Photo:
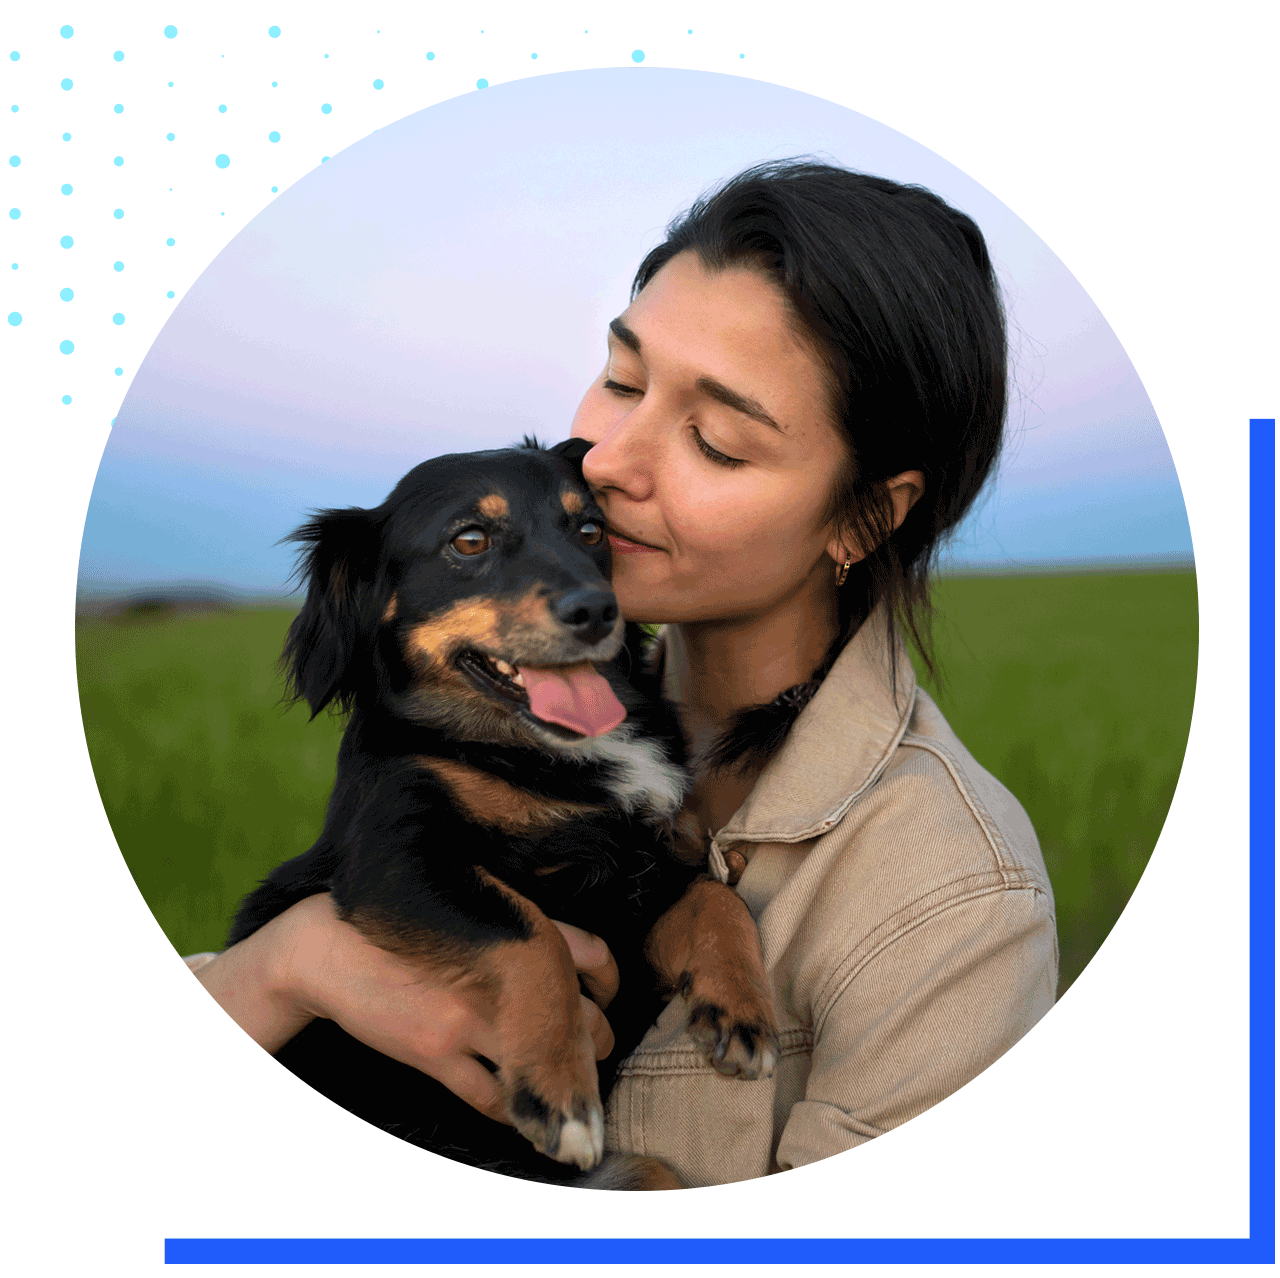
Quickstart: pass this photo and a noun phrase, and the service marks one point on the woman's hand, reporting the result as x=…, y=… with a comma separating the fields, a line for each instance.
x=308, y=963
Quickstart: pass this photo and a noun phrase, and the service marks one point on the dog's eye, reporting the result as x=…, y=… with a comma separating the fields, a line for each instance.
x=591, y=534
x=471, y=541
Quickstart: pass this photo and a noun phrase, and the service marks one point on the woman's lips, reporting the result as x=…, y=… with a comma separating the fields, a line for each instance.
x=622, y=546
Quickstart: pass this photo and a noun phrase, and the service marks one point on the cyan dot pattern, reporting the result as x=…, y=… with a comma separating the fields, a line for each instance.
x=97, y=78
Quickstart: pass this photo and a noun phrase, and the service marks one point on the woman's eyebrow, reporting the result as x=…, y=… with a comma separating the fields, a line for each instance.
x=708, y=386
x=624, y=335
x=739, y=403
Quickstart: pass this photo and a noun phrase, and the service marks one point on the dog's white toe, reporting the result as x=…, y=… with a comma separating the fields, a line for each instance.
x=581, y=1143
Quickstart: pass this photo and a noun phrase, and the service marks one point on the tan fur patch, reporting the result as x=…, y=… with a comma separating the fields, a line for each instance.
x=389, y=612
x=492, y=801
x=707, y=948
x=709, y=938
x=633, y=1171
x=538, y=997
x=571, y=500
x=470, y=622
x=688, y=843
x=494, y=506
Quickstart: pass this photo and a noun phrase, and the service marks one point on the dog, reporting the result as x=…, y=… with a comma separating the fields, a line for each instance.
x=507, y=760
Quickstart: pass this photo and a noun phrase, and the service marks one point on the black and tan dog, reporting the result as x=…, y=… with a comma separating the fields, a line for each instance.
x=499, y=770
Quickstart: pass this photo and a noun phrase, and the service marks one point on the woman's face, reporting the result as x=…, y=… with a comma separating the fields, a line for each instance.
x=714, y=450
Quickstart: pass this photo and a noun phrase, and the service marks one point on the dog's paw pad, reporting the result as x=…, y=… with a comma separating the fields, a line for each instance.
x=736, y=1048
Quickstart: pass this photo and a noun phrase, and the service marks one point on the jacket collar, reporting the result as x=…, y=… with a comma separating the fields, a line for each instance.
x=836, y=749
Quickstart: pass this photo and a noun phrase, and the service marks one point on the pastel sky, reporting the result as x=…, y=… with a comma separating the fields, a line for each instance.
x=445, y=283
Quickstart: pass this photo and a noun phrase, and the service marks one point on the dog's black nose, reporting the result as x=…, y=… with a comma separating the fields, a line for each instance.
x=590, y=613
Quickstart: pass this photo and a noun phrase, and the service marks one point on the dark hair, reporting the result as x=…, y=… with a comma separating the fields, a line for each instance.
x=895, y=292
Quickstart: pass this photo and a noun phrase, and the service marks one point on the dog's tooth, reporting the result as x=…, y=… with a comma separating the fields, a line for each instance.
x=517, y=678
x=505, y=667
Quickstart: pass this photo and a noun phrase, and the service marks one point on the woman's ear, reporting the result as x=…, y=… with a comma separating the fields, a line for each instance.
x=904, y=491
x=841, y=552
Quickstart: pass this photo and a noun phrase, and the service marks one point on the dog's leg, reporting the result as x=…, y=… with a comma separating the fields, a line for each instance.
x=467, y=925
x=400, y=887
x=548, y=1069
x=706, y=947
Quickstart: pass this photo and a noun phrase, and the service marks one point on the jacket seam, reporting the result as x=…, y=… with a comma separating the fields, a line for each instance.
x=678, y=1060
x=999, y=848
x=854, y=965
x=840, y=811
x=962, y=889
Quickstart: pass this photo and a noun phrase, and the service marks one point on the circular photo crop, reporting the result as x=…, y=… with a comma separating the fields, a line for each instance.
x=669, y=578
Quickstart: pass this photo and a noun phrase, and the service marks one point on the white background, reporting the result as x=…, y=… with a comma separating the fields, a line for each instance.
x=1136, y=142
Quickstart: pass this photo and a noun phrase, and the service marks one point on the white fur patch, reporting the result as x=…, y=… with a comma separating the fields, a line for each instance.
x=581, y=1143
x=643, y=777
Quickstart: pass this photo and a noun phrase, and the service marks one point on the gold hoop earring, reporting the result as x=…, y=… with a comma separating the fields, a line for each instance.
x=843, y=573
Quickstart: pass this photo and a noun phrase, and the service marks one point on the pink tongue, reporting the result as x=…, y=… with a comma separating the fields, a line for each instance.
x=575, y=697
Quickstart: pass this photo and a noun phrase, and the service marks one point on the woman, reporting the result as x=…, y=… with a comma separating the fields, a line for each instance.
x=805, y=394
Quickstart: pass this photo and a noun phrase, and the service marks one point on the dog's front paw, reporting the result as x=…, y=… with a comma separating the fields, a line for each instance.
x=570, y=1130
x=741, y=1044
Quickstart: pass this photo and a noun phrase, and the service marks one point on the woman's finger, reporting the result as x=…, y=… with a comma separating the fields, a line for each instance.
x=466, y=1078
x=596, y=968
x=598, y=1027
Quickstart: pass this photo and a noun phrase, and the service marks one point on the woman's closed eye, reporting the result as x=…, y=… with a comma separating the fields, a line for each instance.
x=620, y=389
x=714, y=454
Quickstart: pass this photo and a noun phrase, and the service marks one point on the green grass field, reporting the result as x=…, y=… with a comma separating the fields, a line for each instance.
x=1074, y=690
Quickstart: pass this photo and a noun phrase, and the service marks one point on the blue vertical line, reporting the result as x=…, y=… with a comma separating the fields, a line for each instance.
x=1262, y=831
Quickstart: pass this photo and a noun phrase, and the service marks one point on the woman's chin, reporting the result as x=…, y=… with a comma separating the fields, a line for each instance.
x=642, y=606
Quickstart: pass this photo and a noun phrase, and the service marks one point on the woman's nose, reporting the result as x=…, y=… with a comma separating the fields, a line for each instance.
x=622, y=459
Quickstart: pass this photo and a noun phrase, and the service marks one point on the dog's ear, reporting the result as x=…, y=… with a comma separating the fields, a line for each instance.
x=339, y=564
x=573, y=451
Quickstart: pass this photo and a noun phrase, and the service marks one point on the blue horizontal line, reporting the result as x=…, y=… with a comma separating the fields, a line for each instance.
x=720, y=1251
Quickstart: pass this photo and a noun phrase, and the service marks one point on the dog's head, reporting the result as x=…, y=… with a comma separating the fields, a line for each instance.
x=475, y=599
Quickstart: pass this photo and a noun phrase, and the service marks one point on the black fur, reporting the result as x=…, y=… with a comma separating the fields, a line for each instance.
x=397, y=848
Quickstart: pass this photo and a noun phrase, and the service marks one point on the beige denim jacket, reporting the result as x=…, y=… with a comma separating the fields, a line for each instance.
x=907, y=925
